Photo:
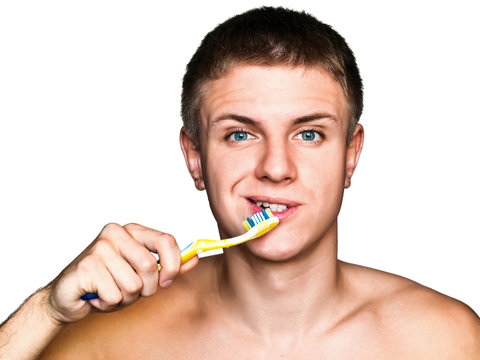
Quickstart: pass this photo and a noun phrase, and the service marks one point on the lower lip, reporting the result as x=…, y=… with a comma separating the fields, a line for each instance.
x=281, y=215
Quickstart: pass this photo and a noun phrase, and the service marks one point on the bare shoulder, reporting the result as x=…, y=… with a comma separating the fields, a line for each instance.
x=137, y=331
x=418, y=320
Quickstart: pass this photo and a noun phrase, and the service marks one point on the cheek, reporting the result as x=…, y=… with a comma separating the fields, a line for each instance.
x=324, y=178
x=326, y=170
x=224, y=169
x=223, y=172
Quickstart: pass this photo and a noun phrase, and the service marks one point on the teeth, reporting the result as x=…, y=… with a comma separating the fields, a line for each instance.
x=273, y=207
x=278, y=207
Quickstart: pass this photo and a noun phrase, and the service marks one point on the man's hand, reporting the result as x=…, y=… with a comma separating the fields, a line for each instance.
x=119, y=266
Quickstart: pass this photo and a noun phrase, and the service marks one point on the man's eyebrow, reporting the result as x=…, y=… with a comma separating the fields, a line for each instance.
x=239, y=118
x=312, y=117
x=250, y=121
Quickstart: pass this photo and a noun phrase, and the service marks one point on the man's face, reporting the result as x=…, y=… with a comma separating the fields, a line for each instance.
x=274, y=136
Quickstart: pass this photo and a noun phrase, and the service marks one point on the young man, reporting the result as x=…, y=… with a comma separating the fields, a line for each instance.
x=271, y=102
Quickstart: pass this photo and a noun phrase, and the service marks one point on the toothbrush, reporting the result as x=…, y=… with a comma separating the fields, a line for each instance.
x=259, y=224
x=256, y=226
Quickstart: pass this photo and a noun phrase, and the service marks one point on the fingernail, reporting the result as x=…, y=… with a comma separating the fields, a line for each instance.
x=166, y=283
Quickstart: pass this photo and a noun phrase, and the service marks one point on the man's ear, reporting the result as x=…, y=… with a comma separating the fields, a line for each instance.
x=191, y=154
x=353, y=154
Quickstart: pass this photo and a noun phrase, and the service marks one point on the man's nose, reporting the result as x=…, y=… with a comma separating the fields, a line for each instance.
x=276, y=162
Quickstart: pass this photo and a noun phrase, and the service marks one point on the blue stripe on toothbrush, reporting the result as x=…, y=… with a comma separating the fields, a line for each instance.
x=89, y=296
x=265, y=214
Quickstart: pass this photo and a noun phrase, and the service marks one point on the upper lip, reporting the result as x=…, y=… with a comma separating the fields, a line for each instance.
x=272, y=200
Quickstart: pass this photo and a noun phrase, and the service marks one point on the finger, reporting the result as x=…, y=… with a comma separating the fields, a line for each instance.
x=189, y=265
x=170, y=260
x=145, y=265
x=127, y=280
x=138, y=256
x=109, y=295
x=164, y=245
x=88, y=274
x=100, y=281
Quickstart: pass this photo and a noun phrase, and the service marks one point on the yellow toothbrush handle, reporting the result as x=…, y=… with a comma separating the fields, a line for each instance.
x=197, y=247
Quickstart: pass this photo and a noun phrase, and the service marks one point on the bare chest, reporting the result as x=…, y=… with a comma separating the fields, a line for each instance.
x=225, y=344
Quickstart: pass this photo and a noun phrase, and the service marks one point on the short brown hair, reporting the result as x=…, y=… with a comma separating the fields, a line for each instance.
x=269, y=36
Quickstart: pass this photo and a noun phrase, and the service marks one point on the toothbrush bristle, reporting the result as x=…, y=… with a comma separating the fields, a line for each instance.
x=269, y=213
x=265, y=215
x=259, y=220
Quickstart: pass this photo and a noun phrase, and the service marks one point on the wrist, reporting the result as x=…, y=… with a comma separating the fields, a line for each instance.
x=30, y=329
x=42, y=301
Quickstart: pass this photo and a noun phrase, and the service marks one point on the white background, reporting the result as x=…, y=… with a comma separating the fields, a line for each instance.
x=89, y=114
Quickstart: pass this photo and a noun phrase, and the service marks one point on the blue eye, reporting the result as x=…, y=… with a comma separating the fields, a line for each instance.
x=240, y=136
x=308, y=135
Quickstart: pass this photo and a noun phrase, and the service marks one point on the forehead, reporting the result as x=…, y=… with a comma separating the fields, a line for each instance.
x=273, y=92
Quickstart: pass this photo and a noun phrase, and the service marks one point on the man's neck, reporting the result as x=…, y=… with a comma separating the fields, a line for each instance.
x=283, y=297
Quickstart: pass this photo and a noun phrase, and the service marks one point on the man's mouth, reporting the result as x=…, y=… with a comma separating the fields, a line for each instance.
x=273, y=207
x=281, y=208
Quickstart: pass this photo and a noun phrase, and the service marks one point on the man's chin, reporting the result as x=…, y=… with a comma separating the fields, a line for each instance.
x=274, y=252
